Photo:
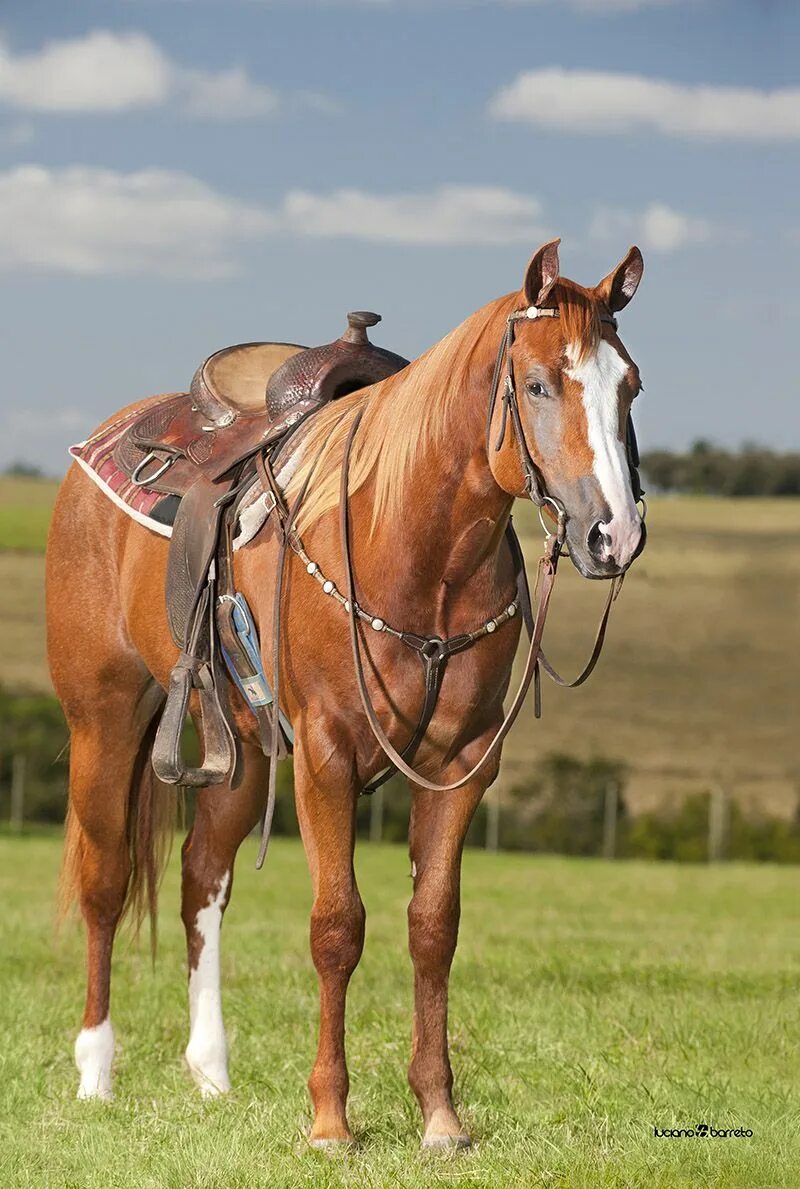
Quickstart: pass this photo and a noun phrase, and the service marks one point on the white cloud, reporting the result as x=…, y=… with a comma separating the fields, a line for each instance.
x=658, y=228
x=598, y=102
x=115, y=72
x=230, y=94
x=98, y=72
x=95, y=221
x=447, y=215
x=92, y=221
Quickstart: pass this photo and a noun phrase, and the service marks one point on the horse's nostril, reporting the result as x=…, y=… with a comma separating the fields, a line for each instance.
x=596, y=542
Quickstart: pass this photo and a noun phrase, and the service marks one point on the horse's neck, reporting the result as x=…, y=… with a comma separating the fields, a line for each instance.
x=444, y=544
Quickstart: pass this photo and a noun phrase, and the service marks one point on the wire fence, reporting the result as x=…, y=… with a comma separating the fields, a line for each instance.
x=563, y=804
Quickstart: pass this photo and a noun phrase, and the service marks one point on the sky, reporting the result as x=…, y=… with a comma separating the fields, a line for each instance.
x=178, y=175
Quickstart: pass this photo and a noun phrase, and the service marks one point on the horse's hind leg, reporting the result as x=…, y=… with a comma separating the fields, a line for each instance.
x=108, y=768
x=439, y=823
x=224, y=817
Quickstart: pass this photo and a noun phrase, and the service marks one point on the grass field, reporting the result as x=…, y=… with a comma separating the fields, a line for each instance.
x=591, y=1002
x=25, y=506
x=693, y=688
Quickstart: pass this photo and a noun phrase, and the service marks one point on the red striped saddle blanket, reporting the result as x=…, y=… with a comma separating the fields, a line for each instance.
x=98, y=458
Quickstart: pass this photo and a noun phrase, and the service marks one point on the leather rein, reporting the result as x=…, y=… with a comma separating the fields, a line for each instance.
x=433, y=651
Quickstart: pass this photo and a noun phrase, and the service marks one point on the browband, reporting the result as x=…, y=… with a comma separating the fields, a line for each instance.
x=547, y=312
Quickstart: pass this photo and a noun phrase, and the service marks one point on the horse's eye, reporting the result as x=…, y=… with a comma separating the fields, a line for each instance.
x=536, y=388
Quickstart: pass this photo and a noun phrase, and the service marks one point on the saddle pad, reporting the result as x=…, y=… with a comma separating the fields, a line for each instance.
x=156, y=511
x=152, y=509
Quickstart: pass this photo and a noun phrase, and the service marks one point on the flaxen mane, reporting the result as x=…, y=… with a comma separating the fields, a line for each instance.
x=416, y=410
x=404, y=417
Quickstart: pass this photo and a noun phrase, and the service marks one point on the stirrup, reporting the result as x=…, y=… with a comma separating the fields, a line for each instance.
x=218, y=744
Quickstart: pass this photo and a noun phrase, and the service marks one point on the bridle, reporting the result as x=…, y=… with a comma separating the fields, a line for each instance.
x=534, y=485
x=433, y=651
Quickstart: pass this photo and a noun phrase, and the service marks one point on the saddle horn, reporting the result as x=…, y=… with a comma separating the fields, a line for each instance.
x=319, y=374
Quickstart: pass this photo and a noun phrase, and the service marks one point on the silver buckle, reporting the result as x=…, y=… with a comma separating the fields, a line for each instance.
x=137, y=482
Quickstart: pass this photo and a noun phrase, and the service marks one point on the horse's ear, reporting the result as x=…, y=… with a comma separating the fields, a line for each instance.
x=541, y=273
x=619, y=286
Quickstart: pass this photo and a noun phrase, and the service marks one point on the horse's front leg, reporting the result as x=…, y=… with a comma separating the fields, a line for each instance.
x=326, y=793
x=439, y=823
x=224, y=817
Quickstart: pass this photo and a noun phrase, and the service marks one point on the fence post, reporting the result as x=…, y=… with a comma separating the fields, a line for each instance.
x=717, y=823
x=610, y=807
x=18, y=765
x=376, y=816
x=493, y=821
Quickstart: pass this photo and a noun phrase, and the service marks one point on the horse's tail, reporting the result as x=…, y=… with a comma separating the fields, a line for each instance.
x=151, y=818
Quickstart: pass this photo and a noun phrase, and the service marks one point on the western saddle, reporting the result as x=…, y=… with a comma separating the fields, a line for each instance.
x=203, y=451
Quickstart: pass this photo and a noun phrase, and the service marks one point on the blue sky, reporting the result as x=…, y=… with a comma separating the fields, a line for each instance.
x=176, y=175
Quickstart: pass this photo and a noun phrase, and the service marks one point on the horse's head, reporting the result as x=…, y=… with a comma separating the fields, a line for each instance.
x=574, y=383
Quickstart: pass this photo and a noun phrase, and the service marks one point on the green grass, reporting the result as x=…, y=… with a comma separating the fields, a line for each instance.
x=590, y=1003
x=25, y=506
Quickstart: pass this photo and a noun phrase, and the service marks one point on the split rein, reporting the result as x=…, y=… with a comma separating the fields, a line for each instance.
x=434, y=652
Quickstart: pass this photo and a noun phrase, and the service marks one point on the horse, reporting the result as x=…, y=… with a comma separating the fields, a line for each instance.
x=429, y=491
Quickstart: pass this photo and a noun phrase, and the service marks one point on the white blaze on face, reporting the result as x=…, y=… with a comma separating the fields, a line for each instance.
x=600, y=376
x=207, y=1051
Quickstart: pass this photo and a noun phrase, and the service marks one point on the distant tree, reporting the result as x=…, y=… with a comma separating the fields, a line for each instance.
x=708, y=470
x=24, y=470
x=748, y=474
x=785, y=475
x=661, y=469
x=561, y=807
x=32, y=725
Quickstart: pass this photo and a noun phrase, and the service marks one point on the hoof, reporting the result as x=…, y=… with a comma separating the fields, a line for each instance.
x=330, y=1145
x=446, y=1143
x=212, y=1084
x=94, y=1094
x=209, y=1090
x=444, y=1132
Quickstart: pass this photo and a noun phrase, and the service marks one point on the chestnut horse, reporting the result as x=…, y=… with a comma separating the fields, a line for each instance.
x=430, y=498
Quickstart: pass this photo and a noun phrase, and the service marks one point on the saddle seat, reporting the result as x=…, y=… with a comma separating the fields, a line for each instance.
x=241, y=400
x=232, y=382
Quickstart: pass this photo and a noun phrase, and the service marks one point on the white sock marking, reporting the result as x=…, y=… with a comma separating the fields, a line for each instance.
x=207, y=1051
x=94, y=1052
x=600, y=375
